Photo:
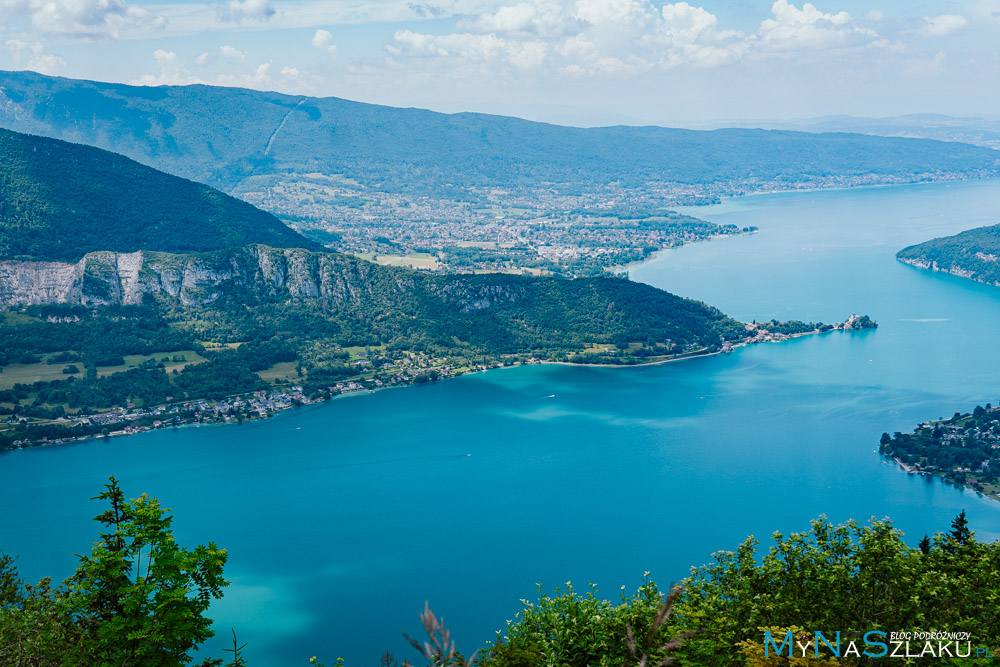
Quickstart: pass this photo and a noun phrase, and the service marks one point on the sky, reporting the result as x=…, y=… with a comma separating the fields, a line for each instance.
x=582, y=62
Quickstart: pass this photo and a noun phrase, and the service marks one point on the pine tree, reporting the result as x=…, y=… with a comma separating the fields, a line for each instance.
x=960, y=533
x=925, y=545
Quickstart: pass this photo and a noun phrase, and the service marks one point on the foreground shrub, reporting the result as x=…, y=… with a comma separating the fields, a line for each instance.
x=137, y=599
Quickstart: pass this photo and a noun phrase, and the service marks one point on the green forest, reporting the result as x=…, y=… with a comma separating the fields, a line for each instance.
x=974, y=253
x=140, y=598
x=59, y=201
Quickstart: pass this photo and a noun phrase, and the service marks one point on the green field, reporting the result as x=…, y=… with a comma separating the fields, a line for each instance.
x=283, y=370
x=414, y=260
x=358, y=352
x=28, y=373
x=42, y=372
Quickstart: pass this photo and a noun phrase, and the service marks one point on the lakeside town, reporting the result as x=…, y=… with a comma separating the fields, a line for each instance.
x=541, y=231
x=547, y=230
x=378, y=369
x=131, y=419
x=963, y=450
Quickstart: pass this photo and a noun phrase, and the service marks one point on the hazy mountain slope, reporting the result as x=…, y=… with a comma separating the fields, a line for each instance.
x=222, y=135
x=59, y=201
x=974, y=254
x=977, y=131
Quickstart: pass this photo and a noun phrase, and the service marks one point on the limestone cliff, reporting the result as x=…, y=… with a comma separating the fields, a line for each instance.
x=193, y=280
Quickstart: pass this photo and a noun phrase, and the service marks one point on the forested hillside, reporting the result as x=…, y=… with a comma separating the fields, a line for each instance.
x=59, y=201
x=971, y=254
x=222, y=136
x=303, y=300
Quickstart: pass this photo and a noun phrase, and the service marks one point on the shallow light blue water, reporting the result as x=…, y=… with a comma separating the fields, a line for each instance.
x=341, y=519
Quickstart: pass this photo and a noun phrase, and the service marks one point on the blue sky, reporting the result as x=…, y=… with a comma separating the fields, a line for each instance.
x=573, y=61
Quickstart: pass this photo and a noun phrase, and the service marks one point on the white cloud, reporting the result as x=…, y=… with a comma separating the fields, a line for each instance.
x=687, y=23
x=297, y=81
x=260, y=78
x=621, y=12
x=533, y=18
x=942, y=25
x=204, y=59
x=808, y=29
x=238, y=11
x=615, y=37
x=232, y=54
x=579, y=48
x=323, y=40
x=93, y=19
x=926, y=67
x=33, y=56
x=467, y=47
x=694, y=37
x=530, y=55
x=172, y=73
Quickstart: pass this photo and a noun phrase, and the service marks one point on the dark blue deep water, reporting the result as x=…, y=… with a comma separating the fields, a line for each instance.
x=342, y=518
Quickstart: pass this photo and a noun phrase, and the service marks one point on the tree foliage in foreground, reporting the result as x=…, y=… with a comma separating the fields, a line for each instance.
x=137, y=599
x=849, y=577
x=140, y=599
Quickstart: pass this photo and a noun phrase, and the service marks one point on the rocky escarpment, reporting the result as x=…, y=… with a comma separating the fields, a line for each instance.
x=251, y=275
x=973, y=254
x=932, y=265
x=347, y=298
x=258, y=273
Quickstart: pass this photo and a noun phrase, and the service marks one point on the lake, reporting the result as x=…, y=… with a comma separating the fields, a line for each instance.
x=341, y=519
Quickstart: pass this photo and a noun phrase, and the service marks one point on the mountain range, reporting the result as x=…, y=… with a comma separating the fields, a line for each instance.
x=223, y=136
x=969, y=130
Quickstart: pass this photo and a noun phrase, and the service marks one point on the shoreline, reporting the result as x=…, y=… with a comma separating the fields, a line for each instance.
x=869, y=186
x=696, y=209
x=697, y=355
x=623, y=268
x=934, y=267
x=299, y=400
x=941, y=478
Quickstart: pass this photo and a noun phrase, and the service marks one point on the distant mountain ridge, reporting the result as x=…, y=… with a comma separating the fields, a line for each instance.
x=59, y=201
x=973, y=254
x=222, y=136
x=969, y=130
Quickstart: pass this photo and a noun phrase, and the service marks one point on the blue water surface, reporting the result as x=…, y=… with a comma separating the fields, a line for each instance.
x=341, y=519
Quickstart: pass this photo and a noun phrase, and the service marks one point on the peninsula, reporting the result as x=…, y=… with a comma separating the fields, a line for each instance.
x=964, y=450
x=973, y=254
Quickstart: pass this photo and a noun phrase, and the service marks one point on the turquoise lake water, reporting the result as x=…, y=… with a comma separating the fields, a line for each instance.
x=341, y=519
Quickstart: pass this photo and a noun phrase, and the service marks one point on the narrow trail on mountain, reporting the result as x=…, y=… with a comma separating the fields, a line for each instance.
x=270, y=140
